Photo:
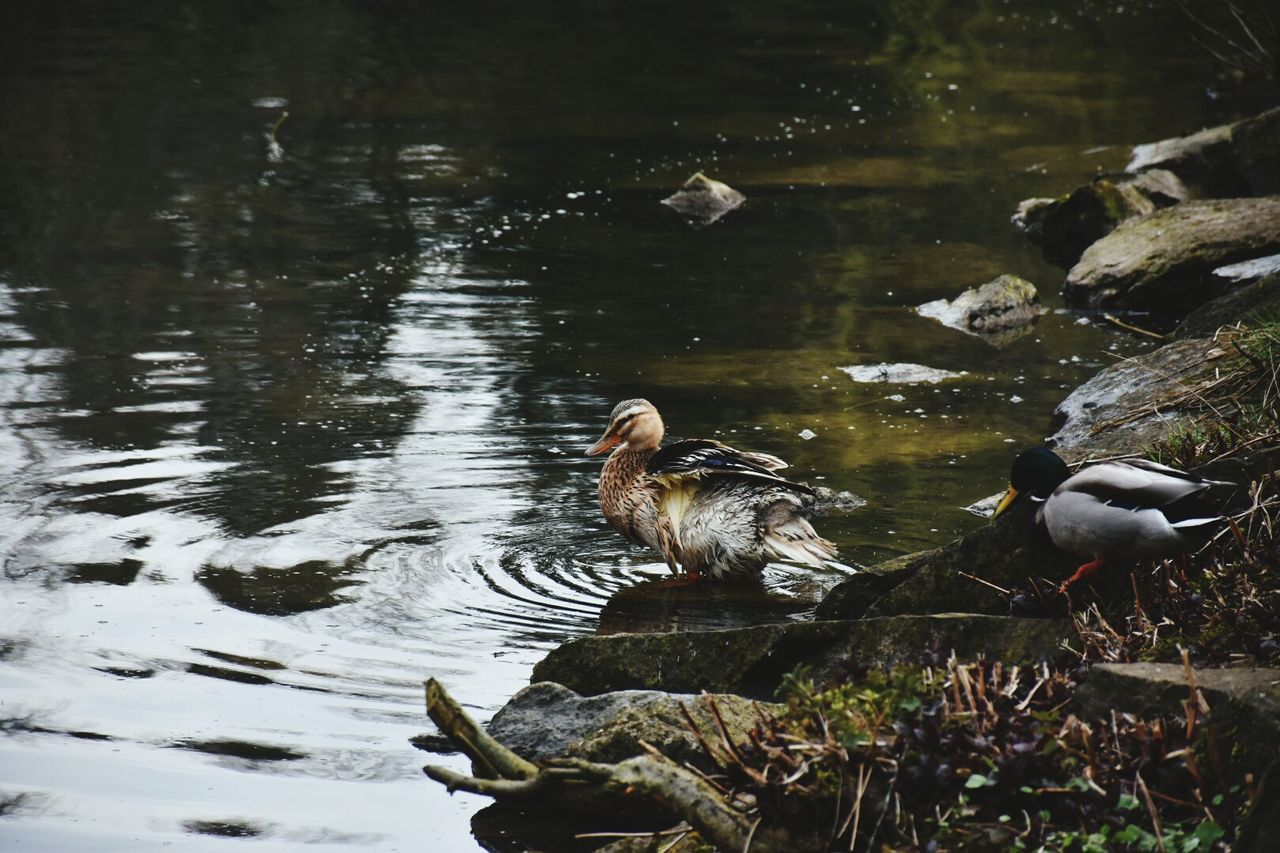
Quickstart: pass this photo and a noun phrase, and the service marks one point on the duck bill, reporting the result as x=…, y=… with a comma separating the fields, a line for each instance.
x=1004, y=502
x=607, y=442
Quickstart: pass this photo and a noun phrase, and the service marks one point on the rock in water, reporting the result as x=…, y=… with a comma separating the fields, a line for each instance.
x=1131, y=404
x=1233, y=159
x=703, y=200
x=1064, y=227
x=999, y=311
x=1163, y=262
x=900, y=373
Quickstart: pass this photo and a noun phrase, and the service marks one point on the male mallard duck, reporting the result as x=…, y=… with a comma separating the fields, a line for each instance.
x=703, y=505
x=1131, y=509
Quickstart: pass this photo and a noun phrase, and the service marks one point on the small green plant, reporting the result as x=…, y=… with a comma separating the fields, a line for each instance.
x=979, y=756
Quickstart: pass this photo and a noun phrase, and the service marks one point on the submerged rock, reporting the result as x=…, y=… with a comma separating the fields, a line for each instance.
x=828, y=501
x=1134, y=402
x=999, y=311
x=1163, y=262
x=703, y=200
x=900, y=373
x=547, y=720
x=752, y=661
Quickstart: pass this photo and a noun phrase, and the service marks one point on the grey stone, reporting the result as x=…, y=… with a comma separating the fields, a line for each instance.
x=547, y=720
x=1232, y=159
x=703, y=200
x=1129, y=405
x=999, y=311
x=752, y=661
x=1163, y=262
x=1250, y=270
x=1244, y=703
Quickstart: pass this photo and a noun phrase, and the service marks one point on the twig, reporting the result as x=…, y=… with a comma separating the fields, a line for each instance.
x=998, y=589
x=1111, y=318
x=1151, y=810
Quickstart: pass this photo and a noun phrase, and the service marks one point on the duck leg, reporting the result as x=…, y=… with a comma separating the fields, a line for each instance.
x=1087, y=569
x=690, y=577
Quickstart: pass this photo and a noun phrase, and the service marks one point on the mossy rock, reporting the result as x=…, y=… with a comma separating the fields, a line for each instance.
x=752, y=661
x=852, y=598
x=547, y=720
x=963, y=575
x=1163, y=262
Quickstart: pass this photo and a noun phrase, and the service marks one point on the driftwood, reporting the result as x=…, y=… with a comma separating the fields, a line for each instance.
x=572, y=784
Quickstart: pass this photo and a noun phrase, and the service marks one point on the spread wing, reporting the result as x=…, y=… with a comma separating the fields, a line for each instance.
x=698, y=458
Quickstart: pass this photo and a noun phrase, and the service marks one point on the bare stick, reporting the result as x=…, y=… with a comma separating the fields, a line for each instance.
x=495, y=759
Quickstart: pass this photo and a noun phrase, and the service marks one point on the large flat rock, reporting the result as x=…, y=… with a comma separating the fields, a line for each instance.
x=752, y=661
x=1163, y=262
x=1132, y=403
x=547, y=720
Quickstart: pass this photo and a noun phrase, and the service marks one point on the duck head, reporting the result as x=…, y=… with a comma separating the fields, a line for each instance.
x=1036, y=472
x=635, y=425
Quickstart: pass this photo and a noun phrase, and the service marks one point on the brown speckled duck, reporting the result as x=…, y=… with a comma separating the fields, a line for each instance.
x=707, y=508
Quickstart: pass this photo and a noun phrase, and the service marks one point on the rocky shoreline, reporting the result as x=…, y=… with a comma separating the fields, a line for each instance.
x=1192, y=229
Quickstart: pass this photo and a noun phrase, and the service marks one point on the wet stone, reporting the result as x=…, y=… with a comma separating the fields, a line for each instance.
x=999, y=311
x=1163, y=262
x=702, y=200
x=1132, y=403
x=900, y=373
x=547, y=720
x=753, y=661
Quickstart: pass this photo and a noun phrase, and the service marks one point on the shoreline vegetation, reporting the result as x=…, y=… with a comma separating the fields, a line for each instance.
x=953, y=700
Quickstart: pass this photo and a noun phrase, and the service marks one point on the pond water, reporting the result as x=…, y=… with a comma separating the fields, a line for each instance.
x=292, y=407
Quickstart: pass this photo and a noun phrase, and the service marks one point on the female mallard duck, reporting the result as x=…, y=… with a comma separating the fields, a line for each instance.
x=704, y=506
x=1131, y=509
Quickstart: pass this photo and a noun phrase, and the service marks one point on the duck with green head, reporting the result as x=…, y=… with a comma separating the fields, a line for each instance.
x=1113, y=511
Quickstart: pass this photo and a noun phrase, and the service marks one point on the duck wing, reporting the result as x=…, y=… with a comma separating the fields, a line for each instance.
x=1136, y=483
x=704, y=457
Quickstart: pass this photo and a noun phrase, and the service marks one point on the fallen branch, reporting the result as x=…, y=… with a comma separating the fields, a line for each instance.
x=494, y=759
x=571, y=783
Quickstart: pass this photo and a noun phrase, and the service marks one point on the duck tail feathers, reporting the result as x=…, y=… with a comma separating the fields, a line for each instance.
x=1187, y=523
x=798, y=542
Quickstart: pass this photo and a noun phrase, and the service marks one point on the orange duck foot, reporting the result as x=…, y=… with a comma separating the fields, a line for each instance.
x=1087, y=569
x=689, y=578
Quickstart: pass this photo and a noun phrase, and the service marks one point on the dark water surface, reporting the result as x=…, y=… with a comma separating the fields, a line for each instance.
x=289, y=423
